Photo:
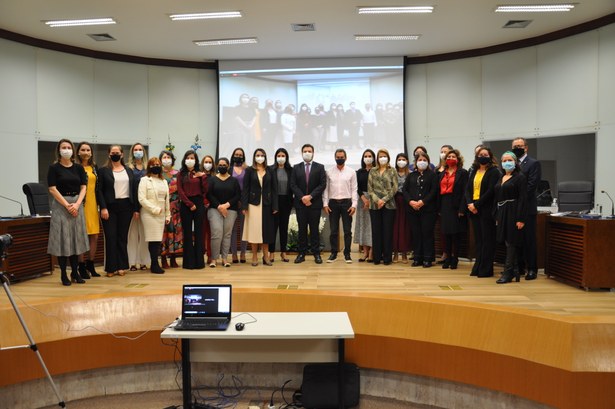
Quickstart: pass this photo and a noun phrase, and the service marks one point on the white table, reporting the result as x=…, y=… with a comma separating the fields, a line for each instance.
x=274, y=337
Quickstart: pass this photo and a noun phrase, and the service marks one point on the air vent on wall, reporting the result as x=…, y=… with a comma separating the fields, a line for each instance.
x=303, y=27
x=517, y=23
x=101, y=37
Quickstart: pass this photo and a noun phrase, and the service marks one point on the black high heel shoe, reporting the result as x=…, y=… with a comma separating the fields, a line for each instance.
x=507, y=277
x=76, y=278
x=89, y=265
x=64, y=278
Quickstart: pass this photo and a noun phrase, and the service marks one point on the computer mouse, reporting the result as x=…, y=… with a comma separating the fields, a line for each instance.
x=240, y=326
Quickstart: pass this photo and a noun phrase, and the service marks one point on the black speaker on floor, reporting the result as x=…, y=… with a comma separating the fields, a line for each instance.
x=319, y=389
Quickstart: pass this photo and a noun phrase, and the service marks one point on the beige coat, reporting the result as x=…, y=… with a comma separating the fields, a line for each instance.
x=155, y=211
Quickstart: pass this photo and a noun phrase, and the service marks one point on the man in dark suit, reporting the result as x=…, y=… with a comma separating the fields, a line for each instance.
x=308, y=182
x=532, y=170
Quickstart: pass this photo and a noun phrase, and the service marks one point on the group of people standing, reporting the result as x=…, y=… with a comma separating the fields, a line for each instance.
x=212, y=208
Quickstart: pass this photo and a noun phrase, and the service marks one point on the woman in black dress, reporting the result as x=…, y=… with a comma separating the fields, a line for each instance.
x=280, y=171
x=452, y=206
x=420, y=196
x=510, y=213
x=484, y=175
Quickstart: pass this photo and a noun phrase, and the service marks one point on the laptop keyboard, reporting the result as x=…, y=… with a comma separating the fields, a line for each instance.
x=205, y=324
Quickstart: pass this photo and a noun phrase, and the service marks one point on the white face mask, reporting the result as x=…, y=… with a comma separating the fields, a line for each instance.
x=66, y=153
x=138, y=154
x=422, y=165
x=307, y=156
x=401, y=164
x=281, y=160
x=443, y=155
x=259, y=159
x=383, y=160
x=167, y=162
x=189, y=163
x=207, y=166
x=368, y=161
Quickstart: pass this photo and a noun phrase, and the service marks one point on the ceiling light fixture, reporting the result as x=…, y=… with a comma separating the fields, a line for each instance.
x=82, y=22
x=395, y=10
x=534, y=8
x=202, y=16
x=386, y=37
x=227, y=41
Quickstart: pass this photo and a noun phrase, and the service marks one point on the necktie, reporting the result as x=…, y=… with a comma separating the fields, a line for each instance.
x=307, y=174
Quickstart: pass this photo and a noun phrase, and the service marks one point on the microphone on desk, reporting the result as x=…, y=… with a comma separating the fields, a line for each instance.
x=612, y=216
x=13, y=200
x=542, y=193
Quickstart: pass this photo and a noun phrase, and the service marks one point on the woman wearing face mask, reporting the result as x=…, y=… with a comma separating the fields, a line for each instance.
x=363, y=225
x=155, y=210
x=280, y=172
x=90, y=207
x=259, y=201
x=444, y=150
x=207, y=167
x=452, y=206
x=421, y=199
x=223, y=194
x=382, y=187
x=510, y=214
x=238, y=172
x=118, y=205
x=173, y=237
x=484, y=176
x=192, y=188
x=138, y=254
x=401, y=227
x=68, y=237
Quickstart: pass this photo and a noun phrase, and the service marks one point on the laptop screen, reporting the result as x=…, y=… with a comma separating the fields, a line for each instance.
x=206, y=301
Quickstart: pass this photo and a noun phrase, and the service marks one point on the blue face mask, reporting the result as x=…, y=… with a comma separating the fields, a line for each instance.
x=508, y=166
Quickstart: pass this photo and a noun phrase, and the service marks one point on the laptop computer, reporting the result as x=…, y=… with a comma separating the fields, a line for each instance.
x=205, y=307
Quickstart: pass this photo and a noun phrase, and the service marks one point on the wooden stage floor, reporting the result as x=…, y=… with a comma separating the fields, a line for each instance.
x=543, y=294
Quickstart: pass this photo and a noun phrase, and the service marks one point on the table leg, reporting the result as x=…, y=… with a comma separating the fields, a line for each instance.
x=340, y=373
x=186, y=374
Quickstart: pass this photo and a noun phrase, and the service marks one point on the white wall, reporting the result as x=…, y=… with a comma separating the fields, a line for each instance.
x=564, y=87
x=47, y=95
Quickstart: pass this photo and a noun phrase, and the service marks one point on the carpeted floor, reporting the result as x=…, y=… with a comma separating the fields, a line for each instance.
x=173, y=399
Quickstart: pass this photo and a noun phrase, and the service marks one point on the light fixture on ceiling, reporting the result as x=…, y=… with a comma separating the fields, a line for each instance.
x=534, y=8
x=227, y=41
x=386, y=37
x=395, y=10
x=202, y=16
x=81, y=22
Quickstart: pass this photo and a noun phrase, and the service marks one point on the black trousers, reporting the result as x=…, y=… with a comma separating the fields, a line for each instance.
x=453, y=243
x=193, y=240
x=484, y=240
x=339, y=209
x=280, y=222
x=382, y=234
x=423, y=232
x=528, y=253
x=307, y=216
x=116, y=235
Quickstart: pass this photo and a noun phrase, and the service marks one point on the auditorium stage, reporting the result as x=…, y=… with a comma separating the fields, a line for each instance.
x=541, y=340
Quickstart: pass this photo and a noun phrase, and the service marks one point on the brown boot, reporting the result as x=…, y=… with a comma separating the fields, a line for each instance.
x=165, y=264
x=174, y=262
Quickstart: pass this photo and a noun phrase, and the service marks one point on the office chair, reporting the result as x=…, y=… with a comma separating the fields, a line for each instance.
x=38, y=198
x=575, y=195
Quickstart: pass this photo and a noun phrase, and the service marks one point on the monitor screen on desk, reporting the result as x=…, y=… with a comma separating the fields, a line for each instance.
x=204, y=301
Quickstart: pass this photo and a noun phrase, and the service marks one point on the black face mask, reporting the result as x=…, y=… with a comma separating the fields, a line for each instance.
x=519, y=152
x=116, y=157
x=238, y=160
x=340, y=161
x=483, y=160
x=222, y=170
x=156, y=170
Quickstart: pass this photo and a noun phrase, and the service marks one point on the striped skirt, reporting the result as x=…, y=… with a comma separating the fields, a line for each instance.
x=67, y=234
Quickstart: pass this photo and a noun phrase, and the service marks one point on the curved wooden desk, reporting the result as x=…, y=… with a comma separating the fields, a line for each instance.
x=565, y=362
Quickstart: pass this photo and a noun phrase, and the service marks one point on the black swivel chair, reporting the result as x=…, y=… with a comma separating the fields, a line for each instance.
x=575, y=195
x=38, y=198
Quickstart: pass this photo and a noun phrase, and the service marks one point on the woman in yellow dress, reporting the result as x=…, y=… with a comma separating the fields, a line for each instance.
x=92, y=219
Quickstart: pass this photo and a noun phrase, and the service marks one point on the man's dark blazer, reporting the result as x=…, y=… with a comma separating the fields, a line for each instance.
x=532, y=170
x=252, y=190
x=107, y=187
x=315, y=188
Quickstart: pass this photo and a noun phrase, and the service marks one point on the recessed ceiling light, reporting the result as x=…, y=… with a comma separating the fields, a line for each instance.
x=534, y=8
x=201, y=16
x=227, y=41
x=386, y=37
x=82, y=22
x=395, y=10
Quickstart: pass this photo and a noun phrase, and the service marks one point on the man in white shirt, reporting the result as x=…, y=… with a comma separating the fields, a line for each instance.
x=340, y=200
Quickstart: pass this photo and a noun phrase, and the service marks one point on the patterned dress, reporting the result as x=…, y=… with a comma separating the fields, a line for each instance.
x=173, y=238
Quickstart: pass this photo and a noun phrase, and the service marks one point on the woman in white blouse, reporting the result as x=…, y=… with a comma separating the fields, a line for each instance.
x=155, y=209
